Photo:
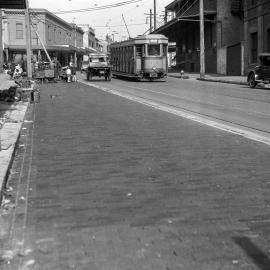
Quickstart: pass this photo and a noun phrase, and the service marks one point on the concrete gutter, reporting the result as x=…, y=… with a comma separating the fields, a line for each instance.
x=9, y=135
x=223, y=81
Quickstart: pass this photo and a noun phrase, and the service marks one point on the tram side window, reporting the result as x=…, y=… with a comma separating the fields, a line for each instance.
x=164, y=50
x=153, y=49
x=139, y=51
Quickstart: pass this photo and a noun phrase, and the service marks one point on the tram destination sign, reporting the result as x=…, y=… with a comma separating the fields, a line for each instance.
x=13, y=4
x=153, y=41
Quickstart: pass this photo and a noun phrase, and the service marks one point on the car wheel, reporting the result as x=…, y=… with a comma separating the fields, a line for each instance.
x=251, y=81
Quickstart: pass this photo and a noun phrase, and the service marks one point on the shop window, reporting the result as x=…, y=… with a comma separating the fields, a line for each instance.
x=236, y=6
x=254, y=46
x=19, y=31
x=54, y=35
x=34, y=35
x=268, y=40
x=253, y=2
x=49, y=33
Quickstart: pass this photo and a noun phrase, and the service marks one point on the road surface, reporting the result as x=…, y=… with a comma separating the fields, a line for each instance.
x=101, y=182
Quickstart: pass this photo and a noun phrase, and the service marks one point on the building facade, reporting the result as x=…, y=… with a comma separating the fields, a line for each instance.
x=257, y=29
x=223, y=35
x=89, y=37
x=61, y=39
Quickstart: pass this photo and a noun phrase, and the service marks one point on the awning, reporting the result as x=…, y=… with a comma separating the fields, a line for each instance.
x=13, y=4
x=191, y=13
x=57, y=48
x=191, y=18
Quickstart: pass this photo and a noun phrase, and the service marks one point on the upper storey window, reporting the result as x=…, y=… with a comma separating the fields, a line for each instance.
x=19, y=31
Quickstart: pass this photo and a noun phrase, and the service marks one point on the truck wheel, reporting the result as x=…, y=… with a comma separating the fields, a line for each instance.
x=108, y=76
x=89, y=76
x=251, y=81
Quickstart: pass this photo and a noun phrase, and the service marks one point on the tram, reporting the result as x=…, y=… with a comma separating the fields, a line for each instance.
x=143, y=58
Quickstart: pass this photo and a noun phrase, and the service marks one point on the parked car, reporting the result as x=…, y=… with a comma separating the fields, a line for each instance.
x=260, y=72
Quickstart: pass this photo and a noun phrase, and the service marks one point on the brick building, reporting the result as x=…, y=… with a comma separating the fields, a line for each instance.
x=223, y=35
x=257, y=29
x=61, y=39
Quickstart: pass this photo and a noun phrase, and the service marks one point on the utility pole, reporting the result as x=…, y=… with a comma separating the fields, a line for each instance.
x=42, y=44
x=1, y=40
x=202, y=47
x=151, y=27
x=28, y=40
x=155, y=14
x=75, y=54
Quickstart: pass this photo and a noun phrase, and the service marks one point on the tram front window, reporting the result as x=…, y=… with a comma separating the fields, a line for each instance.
x=97, y=60
x=153, y=50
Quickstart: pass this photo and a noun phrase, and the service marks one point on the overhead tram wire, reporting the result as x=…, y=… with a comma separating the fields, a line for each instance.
x=97, y=8
x=39, y=19
x=35, y=15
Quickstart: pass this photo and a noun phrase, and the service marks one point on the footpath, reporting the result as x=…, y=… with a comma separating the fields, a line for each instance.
x=12, y=117
x=11, y=120
x=242, y=80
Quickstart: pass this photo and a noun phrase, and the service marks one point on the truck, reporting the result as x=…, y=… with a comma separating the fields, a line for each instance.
x=96, y=65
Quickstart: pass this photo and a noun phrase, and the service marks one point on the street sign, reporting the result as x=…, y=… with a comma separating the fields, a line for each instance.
x=13, y=4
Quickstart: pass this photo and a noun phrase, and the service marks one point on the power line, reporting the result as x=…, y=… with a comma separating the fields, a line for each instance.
x=97, y=8
x=117, y=25
x=39, y=19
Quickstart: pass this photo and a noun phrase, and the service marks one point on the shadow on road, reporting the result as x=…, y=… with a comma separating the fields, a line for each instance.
x=258, y=257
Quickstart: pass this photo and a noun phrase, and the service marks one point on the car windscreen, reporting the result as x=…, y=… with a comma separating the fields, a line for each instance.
x=265, y=60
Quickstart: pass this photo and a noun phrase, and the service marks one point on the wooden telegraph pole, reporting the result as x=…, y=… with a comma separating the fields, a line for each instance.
x=155, y=15
x=151, y=27
x=1, y=40
x=202, y=47
x=28, y=40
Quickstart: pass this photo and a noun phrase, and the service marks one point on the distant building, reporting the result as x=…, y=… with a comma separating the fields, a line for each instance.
x=99, y=45
x=104, y=45
x=89, y=38
x=61, y=39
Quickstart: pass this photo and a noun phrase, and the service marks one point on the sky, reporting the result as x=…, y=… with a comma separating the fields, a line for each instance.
x=110, y=20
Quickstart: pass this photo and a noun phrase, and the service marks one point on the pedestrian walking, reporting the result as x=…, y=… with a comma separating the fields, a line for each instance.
x=68, y=73
x=73, y=73
x=57, y=68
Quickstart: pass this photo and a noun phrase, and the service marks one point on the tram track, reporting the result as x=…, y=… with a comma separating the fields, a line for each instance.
x=251, y=112
x=244, y=130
